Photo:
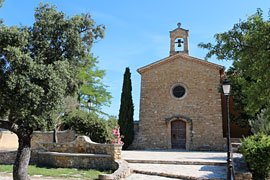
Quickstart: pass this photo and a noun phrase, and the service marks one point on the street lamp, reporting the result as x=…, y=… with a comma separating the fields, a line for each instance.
x=89, y=104
x=226, y=86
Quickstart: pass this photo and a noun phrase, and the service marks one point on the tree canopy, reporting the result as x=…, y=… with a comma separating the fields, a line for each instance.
x=248, y=45
x=89, y=124
x=39, y=64
x=1, y=3
x=38, y=69
x=93, y=88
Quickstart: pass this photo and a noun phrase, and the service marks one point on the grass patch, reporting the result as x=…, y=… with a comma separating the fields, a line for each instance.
x=58, y=172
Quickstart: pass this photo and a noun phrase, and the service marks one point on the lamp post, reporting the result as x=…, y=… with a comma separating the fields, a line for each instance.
x=89, y=104
x=226, y=86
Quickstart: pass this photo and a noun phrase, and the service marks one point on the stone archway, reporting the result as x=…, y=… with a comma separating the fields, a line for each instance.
x=179, y=129
x=178, y=134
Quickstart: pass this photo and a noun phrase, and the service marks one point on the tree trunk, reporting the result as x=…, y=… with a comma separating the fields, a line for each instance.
x=23, y=157
x=55, y=139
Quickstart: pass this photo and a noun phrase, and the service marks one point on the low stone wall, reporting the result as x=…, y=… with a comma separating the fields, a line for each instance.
x=76, y=160
x=82, y=144
x=123, y=171
x=81, y=153
x=8, y=156
x=9, y=140
x=47, y=136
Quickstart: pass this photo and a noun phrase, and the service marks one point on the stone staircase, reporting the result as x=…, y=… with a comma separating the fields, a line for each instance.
x=183, y=165
x=236, y=145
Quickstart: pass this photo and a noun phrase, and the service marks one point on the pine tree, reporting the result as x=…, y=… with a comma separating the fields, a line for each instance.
x=126, y=111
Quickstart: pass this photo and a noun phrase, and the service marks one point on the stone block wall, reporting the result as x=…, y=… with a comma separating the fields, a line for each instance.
x=9, y=140
x=200, y=108
x=81, y=153
x=76, y=160
x=47, y=136
x=8, y=156
x=82, y=144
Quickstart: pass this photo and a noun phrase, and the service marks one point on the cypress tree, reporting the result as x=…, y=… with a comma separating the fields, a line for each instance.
x=125, y=120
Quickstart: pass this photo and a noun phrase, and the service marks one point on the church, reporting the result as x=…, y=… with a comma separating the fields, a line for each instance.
x=180, y=101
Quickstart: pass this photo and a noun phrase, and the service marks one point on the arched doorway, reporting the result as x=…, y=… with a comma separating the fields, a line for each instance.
x=178, y=134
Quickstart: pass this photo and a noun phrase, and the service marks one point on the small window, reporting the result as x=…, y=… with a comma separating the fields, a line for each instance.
x=178, y=91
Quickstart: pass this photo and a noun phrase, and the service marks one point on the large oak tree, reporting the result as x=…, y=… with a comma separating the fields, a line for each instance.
x=38, y=69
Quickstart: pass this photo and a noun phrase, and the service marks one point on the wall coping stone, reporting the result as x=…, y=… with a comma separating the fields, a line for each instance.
x=75, y=154
x=85, y=139
x=47, y=132
x=122, y=171
x=80, y=139
x=8, y=151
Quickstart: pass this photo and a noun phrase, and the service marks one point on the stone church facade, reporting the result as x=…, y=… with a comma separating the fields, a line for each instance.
x=180, y=102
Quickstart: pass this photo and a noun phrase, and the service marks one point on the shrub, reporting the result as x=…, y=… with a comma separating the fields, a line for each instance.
x=91, y=125
x=113, y=122
x=262, y=123
x=117, y=136
x=256, y=151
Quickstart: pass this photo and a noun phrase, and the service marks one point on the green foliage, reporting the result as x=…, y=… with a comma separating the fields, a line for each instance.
x=38, y=64
x=113, y=122
x=256, y=151
x=126, y=111
x=262, y=123
x=38, y=69
x=1, y=3
x=247, y=44
x=91, y=125
x=69, y=105
x=92, y=87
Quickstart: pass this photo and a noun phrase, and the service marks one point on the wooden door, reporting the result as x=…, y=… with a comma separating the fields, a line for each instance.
x=178, y=134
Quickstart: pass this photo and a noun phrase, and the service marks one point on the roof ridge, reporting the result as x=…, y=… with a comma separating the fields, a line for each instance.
x=168, y=59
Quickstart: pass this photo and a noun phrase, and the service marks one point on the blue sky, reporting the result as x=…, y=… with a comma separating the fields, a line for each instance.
x=137, y=32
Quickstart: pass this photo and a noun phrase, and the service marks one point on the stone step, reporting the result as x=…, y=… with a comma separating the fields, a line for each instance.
x=236, y=147
x=236, y=140
x=192, y=172
x=187, y=170
x=185, y=164
x=178, y=162
x=137, y=176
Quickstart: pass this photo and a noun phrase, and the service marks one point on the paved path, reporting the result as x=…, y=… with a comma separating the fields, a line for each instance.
x=148, y=177
x=191, y=156
x=168, y=165
x=176, y=164
x=181, y=171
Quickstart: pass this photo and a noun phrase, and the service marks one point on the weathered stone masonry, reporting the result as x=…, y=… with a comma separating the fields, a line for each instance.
x=80, y=153
x=199, y=108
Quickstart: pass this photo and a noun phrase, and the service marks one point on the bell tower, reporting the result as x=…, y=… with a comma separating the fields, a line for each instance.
x=179, y=39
